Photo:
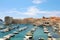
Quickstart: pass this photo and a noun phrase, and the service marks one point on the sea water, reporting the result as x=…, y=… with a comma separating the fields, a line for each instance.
x=39, y=33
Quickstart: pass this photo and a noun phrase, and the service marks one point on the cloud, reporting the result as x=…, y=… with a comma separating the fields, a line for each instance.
x=38, y=1
x=32, y=11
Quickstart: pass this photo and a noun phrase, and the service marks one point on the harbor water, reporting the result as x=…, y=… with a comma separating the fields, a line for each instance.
x=39, y=33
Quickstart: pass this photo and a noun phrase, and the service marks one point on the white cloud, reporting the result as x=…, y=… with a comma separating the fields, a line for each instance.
x=32, y=12
x=38, y=1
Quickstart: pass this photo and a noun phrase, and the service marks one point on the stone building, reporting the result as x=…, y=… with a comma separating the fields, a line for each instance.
x=16, y=21
x=46, y=21
x=37, y=21
x=29, y=20
x=8, y=20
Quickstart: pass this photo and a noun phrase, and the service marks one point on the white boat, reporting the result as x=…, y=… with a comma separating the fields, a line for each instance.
x=59, y=31
x=7, y=36
x=1, y=27
x=49, y=38
x=3, y=39
x=12, y=35
x=46, y=30
x=41, y=38
x=15, y=32
x=49, y=35
x=5, y=30
x=21, y=29
x=54, y=28
x=28, y=38
x=33, y=30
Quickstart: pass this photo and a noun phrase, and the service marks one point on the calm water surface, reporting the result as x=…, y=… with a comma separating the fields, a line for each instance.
x=37, y=34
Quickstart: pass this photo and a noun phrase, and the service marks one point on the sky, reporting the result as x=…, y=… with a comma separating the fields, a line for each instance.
x=29, y=8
